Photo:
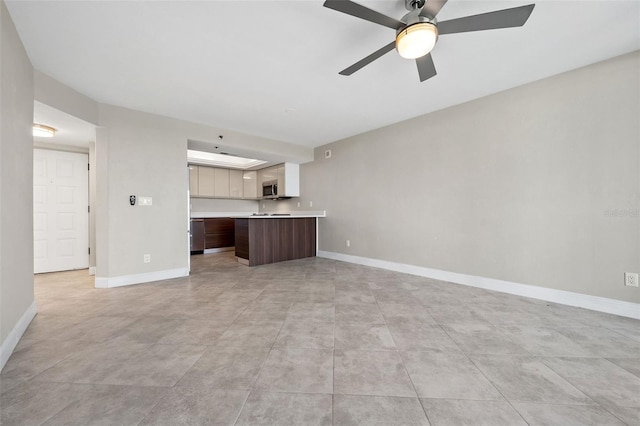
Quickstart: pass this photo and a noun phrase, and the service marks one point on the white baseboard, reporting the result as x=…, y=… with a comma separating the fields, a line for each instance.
x=110, y=282
x=10, y=343
x=595, y=303
x=92, y=270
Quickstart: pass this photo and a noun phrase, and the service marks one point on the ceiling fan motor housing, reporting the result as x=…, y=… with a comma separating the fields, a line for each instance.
x=417, y=37
x=414, y=17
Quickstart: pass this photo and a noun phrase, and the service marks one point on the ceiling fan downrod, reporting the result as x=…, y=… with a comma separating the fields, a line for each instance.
x=412, y=5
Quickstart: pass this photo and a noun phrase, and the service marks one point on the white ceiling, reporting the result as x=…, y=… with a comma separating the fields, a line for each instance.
x=270, y=68
x=70, y=130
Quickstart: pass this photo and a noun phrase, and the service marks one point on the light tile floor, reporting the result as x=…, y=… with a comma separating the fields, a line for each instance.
x=310, y=342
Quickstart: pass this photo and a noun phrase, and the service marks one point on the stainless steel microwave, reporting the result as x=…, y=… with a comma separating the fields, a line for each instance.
x=270, y=188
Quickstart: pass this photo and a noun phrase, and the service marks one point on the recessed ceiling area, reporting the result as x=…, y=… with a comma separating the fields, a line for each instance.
x=279, y=79
x=220, y=155
x=222, y=160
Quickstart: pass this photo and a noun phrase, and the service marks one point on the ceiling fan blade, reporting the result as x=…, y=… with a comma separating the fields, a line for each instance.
x=366, y=61
x=426, y=68
x=354, y=9
x=506, y=18
x=431, y=8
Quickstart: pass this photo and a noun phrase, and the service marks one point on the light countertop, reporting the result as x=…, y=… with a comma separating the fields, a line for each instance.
x=200, y=215
x=280, y=216
x=262, y=215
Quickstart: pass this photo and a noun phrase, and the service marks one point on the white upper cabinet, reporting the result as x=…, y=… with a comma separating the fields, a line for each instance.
x=288, y=175
x=236, y=184
x=193, y=180
x=214, y=182
x=250, y=184
x=267, y=175
x=206, y=181
x=221, y=183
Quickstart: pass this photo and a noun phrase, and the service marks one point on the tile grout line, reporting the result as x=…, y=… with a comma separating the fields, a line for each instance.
x=466, y=355
x=404, y=367
x=596, y=402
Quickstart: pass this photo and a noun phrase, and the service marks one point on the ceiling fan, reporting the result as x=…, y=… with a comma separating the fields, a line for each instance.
x=417, y=32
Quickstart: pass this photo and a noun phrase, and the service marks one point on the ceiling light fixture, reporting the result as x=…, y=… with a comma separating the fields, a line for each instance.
x=43, y=131
x=416, y=40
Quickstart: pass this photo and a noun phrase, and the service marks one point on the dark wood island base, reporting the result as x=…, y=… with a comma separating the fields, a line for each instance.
x=264, y=240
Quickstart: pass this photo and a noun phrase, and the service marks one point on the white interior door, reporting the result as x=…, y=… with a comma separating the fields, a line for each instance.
x=60, y=211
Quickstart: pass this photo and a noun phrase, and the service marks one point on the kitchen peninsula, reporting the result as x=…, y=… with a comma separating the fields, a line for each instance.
x=277, y=237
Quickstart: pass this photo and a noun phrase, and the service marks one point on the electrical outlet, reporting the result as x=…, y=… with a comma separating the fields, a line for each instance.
x=630, y=279
x=147, y=258
x=310, y=203
x=348, y=242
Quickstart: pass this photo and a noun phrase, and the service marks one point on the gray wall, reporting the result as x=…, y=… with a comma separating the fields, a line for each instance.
x=146, y=155
x=537, y=185
x=144, y=158
x=16, y=177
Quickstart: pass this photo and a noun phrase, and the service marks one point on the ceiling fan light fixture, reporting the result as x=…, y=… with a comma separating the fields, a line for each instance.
x=43, y=131
x=416, y=40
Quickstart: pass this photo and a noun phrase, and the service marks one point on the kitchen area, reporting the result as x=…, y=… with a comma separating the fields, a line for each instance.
x=228, y=209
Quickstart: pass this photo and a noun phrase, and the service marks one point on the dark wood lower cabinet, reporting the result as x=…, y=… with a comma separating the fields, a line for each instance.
x=219, y=232
x=212, y=233
x=242, y=238
x=262, y=241
x=219, y=240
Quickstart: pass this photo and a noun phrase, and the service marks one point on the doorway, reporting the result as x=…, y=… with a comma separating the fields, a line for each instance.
x=60, y=211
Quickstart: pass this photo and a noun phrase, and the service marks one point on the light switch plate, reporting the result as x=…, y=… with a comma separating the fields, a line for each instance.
x=145, y=201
